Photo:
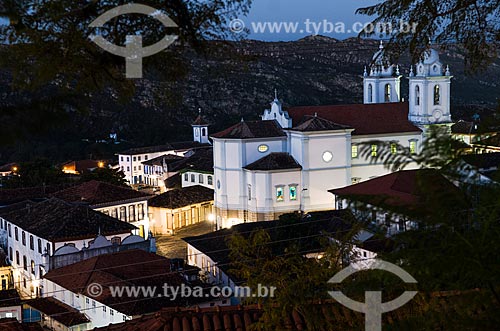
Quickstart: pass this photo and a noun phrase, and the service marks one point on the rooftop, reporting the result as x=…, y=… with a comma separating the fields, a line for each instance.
x=315, y=123
x=175, y=146
x=164, y=160
x=200, y=120
x=464, y=127
x=304, y=233
x=10, y=196
x=440, y=305
x=274, y=161
x=127, y=268
x=58, y=311
x=97, y=193
x=251, y=130
x=366, y=119
x=182, y=197
x=9, y=298
x=12, y=324
x=58, y=220
x=407, y=191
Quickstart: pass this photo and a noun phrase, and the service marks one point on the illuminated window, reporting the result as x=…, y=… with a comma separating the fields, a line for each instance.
x=354, y=152
x=370, y=93
x=210, y=180
x=413, y=146
x=374, y=150
x=394, y=148
x=280, y=195
x=263, y=148
x=293, y=193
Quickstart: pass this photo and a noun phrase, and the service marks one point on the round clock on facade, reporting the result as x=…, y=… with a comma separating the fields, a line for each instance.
x=327, y=156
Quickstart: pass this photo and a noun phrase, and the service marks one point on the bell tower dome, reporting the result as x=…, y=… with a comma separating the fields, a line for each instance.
x=200, y=129
x=429, y=95
x=382, y=83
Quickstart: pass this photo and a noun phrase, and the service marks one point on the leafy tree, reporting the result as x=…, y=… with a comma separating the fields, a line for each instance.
x=470, y=23
x=299, y=282
x=56, y=69
x=36, y=173
x=455, y=245
x=108, y=175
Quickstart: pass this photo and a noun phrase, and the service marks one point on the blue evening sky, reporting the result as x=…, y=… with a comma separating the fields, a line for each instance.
x=301, y=10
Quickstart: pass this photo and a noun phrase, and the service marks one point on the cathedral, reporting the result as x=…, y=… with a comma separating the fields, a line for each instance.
x=290, y=159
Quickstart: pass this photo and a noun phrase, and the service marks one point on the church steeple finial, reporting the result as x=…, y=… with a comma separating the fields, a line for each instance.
x=381, y=45
x=275, y=94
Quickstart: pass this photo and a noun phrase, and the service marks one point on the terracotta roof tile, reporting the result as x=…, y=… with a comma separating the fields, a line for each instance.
x=254, y=129
x=364, y=118
x=58, y=311
x=12, y=324
x=200, y=120
x=274, y=161
x=175, y=146
x=127, y=268
x=315, y=123
x=96, y=193
x=182, y=197
x=59, y=220
x=406, y=190
x=9, y=196
x=476, y=304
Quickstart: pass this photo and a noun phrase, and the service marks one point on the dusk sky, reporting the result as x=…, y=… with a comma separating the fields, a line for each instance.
x=301, y=10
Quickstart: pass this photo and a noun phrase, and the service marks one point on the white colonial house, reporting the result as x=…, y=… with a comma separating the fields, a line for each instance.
x=79, y=287
x=291, y=158
x=52, y=233
x=131, y=161
x=122, y=203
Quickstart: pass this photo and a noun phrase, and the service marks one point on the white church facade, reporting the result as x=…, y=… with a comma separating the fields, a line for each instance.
x=290, y=159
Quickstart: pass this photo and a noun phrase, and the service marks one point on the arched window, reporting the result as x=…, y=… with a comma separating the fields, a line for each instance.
x=203, y=132
x=417, y=95
x=387, y=93
x=370, y=93
x=437, y=95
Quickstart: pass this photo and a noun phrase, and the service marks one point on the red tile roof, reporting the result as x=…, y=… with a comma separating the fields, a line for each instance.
x=364, y=118
x=200, y=121
x=127, y=268
x=96, y=193
x=274, y=161
x=12, y=324
x=408, y=189
x=315, y=123
x=476, y=305
x=58, y=311
x=182, y=197
x=253, y=129
x=57, y=220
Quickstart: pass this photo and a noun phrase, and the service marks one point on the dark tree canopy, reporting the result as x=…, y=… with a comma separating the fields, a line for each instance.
x=472, y=24
x=55, y=68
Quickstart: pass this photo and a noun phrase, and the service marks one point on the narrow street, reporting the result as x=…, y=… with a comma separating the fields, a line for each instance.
x=174, y=246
